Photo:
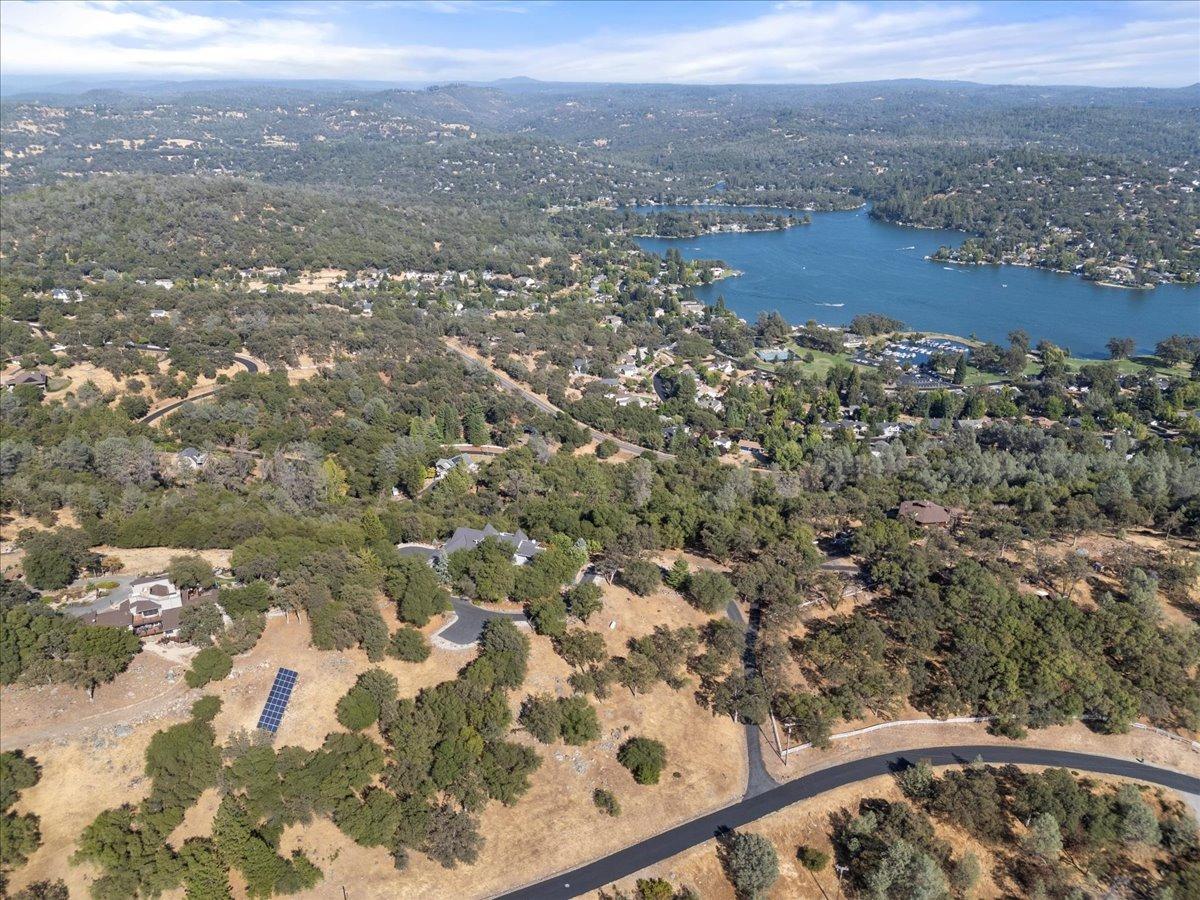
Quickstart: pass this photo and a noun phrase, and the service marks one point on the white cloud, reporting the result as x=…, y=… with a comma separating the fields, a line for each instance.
x=793, y=42
x=451, y=7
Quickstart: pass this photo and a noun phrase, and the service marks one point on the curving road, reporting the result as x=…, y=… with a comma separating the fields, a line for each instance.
x=150, y=418
x=515, y=387
x=632, y=859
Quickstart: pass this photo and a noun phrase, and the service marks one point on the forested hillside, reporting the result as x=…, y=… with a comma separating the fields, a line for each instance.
x=191, y=227
x=1095, y=181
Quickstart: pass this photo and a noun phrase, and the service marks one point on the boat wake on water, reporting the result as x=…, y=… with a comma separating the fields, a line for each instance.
x=913, y=247
x=834, y=305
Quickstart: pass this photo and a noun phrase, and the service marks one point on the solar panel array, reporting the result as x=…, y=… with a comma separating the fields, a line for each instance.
x=277, y=700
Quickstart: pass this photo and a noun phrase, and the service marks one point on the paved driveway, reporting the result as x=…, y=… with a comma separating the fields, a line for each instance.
x=116, y=595
x=464, y=629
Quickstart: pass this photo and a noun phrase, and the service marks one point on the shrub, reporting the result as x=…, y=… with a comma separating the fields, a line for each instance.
x=409, y=645
x=606, y=448
x=198, y=624
x=584, y=600
x=54, y=558
x=17, y=772
x=548, y=617
x=677, y=575
x=453, y=837
x=579, y=647
x=641, y=577
x=191, y=571
x=486, y=572
x=541, y=717
x=709, y=591
x=381, y=685
x=243, y=634
x=253, y=598
x=655, y=889
x=917, y=782
x=579, y=723
x=357, y=709
x=548, y=719
x=206, y=708
x=418, y=594
x=751, y=864
x=965, y=873
x=812, y=859
x=644, y=758
x=606, y=802
x=506, y=649
x=210, y=664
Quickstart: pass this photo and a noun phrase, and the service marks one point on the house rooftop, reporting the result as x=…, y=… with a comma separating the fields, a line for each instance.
x=35, y=378
x=150, y=579
x=926, y=512
x=469, y=538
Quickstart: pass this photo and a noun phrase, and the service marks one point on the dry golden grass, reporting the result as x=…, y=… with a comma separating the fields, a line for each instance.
x=555, y=826
x=809, y=824
x=152, y=560
x=79, y=781
x=315, y=282
x=307, y=367
x=101, y=744
x=80, y=373
x=1137, y=744
x=13, y=523
x=804, y=823
x=589, y=449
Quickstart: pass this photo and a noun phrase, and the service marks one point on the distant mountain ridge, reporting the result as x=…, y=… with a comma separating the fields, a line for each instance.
x=17, y=87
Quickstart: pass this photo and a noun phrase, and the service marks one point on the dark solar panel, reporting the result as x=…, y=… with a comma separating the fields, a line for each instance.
x=277, y=700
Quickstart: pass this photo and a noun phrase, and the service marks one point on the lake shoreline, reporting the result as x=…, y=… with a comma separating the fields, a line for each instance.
x=870, y=265
x=899, y=224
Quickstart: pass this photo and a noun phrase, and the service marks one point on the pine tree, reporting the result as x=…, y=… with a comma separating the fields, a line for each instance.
x=677, y=575
x=960, y=369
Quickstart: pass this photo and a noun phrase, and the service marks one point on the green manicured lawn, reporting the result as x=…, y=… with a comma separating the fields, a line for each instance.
x=1129, y=366
x=821, y=362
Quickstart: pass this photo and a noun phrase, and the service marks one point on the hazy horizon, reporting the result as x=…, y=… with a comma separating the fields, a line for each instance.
x=77, y=83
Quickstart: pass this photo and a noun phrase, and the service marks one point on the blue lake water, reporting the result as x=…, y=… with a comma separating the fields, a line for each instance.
x=846, y=263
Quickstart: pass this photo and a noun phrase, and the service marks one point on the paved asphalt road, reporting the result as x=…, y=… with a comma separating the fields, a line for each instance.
x=151, y=418
x=465, y=630
x=514, y=387
x=632, y=859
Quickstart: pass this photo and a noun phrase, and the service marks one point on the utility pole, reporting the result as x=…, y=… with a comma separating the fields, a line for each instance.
x=778, y=745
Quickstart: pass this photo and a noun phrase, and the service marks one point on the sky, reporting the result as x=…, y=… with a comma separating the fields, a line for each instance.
x=1154, y=44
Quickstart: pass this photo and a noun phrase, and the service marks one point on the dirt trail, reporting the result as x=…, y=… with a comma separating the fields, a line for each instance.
x=61, y=729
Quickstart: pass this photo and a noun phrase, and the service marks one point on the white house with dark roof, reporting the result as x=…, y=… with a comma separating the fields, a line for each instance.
x=154, y=606
x=523, y=546
x=446, y=465
x=192, y=458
